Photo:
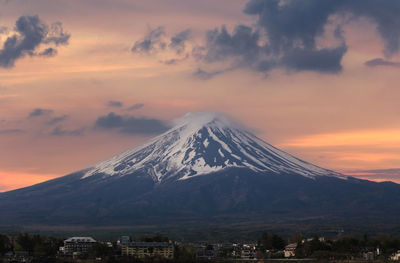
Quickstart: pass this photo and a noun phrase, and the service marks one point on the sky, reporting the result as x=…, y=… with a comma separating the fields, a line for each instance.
x=81, y=81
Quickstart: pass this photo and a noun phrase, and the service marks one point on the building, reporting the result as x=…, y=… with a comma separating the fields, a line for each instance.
x=370, y=255
x=248, y=251
x=148, y=249
x=124, y=240
x=206, y=254
x=290, y=250
x=395, y=256
x=77, y=245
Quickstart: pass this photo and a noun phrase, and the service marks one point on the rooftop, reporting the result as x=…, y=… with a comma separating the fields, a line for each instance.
x=80, y=239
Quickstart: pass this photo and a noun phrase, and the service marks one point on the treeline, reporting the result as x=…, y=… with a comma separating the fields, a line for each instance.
x=32, y=244
x=337, y=248
x=347, y=247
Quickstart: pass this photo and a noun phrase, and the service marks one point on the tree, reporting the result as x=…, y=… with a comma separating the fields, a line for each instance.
x=100, y=250
x=271, y=242
x=24, y=242
x=278, y=242
x=265, y=241
x=156, y=238
x=297, y=238
x=5, y=244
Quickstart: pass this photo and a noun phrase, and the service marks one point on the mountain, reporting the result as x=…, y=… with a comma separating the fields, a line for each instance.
x=205, y=167
x=204, y=143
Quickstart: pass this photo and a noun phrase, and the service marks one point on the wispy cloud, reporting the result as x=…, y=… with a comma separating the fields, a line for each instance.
x=60, y=131
x=39, y=112
x=11, y=131
x=115, y=104
x=130, y=124
x=136, y=106
x=58, y=119
x=381, y=62
x=151, y=43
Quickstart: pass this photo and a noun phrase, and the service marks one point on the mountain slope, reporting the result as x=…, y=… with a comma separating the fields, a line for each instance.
x=202, y=143
x=204, y=167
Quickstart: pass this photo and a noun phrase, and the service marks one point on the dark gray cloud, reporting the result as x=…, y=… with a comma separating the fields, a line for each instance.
x=11, y=131
x=381, y=62
x=135, y=106
x=151, y=43
x=290, y=23
x=178, y=41
x=285, y=37
x=241, y=44
x=327, y=60
x=156, y=40
x=30, y=34
x=286, y=32
x=130, y=124
x=115, y=104
x=57, y=35
x=60, y=131
x=39, y=112
x=58, y=119
x=48, y=52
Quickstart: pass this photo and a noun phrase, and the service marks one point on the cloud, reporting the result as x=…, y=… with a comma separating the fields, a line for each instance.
x=56, y=120
x=39, y=112
x=292, y=23
x=130, y=124
x=57, y=35
x=156, y=41
x=381, y=62
x=59, y=131
x=241, y=44
x=175, y=61
x=115, y=104
x=172, y=61
x=287, y=31
x=30, y=34
x=11, y=131
x=135, y=106
x=205, y=75
x=324, y=60
x=286, y=36
x=178, y=41
x=151, y=43
x=48, y=52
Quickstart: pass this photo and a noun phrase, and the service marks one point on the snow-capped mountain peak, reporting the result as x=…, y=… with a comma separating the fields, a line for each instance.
x=203, y=143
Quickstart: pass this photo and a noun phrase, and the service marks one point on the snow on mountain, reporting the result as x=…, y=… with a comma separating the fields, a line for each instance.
x=202, y=143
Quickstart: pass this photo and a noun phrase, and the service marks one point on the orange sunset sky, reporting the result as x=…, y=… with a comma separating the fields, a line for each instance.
x=74, y=62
